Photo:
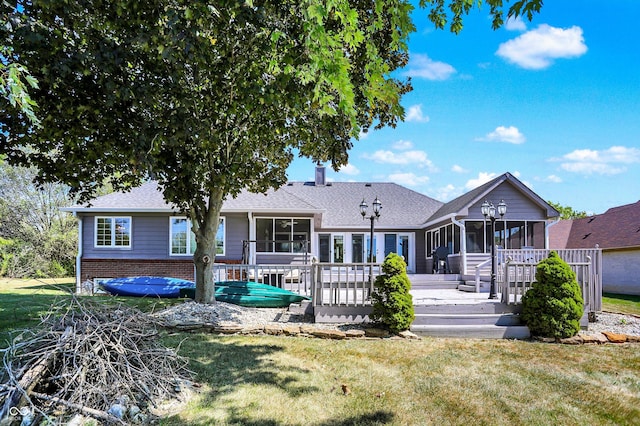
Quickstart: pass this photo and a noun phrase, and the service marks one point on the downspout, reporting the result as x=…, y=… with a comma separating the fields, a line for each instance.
x=546, y=232
x=252, y=237
x=463, y=244
x=79, y=254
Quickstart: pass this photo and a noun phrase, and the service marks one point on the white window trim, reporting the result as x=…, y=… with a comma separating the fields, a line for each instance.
x=113, y=233
x=188, y=253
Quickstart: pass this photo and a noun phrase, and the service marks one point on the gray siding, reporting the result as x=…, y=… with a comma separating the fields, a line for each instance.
x=519, y=207
x=150, y=238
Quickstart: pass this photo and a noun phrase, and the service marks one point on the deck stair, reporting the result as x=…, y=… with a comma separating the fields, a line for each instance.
x=487, y=320
x=435, y=281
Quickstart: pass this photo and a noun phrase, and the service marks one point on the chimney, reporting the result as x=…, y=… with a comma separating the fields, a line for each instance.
x=320, y=175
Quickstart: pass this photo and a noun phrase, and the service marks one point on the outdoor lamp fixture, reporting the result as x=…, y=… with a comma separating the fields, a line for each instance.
x=377, y=206
x=489, y=212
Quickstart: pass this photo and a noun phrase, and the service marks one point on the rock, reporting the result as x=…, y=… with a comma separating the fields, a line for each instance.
x=353, y=334
x=253, y=329
x=329, y=334
x=615, y=337
x=573, y=340
x=545, y=339
x=409, y=335
x=594, y=338
x=633, y=338
x=228, y=329
x=307, y=329
x=273, y=329
x=291, y=330
x=376, y=332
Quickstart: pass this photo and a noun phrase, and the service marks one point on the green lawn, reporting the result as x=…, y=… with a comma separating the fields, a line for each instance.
x=23, y=302
x=621, y=303
x=279, y=381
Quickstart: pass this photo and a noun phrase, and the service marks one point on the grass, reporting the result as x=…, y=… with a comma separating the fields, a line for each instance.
x=282, y=381
x=24, y=302
x=297, y=381
x=621, y=303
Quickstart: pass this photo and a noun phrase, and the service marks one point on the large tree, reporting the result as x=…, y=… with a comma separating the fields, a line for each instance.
x=206, y=98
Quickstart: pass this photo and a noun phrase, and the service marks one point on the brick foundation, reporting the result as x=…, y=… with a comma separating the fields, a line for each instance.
x=112, y=268
x=116, y=268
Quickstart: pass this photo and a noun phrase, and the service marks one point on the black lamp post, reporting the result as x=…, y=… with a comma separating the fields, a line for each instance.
x=489, y=212
x=377, y=206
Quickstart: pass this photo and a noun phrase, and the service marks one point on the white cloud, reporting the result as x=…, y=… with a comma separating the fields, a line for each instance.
x=447, y=193
x=515, y=24
x=414, y=113
x=604, y=162
x=362, y=135
x=349, y=169
x=406, y=157
x=402, y=145
x=537, y=49
x=509, y=134
x=483, y=177
x=458, y=169
x=553, y=179
x=421, y=66
x=408, y=179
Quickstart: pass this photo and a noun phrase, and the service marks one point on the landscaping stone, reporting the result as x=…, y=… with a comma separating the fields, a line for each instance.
x=594, y=338
x=615, y=337
x=409, y=335
x=376, y=332
x=574, y=340
x=273, y=330
x=329, y=334
x=227, y=329
x=354, y=334
x=291, y=330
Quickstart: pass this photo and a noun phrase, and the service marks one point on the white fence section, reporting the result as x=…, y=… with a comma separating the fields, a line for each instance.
x=347, y=284
x=296, y=278
x=519, y=271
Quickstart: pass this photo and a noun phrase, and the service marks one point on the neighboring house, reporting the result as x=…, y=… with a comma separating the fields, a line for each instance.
x=138, y=233
x=617, y=233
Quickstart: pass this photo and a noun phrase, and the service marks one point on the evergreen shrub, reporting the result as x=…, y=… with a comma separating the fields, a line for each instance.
x=554, y=305
x=392, y=302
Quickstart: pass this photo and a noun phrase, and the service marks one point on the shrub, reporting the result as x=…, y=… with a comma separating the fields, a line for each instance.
x=392, y=302
x=554, y=305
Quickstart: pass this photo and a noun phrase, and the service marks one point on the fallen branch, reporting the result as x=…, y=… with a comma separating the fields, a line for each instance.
x=98, y=414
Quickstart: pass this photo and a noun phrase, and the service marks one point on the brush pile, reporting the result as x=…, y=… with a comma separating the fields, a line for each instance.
x=87, y=359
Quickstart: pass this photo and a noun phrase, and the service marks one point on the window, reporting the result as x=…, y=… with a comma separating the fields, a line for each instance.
x=113, y=232
x=283, y=235
x=183, y=240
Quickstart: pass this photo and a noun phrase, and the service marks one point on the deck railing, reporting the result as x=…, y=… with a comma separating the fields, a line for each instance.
x=347, y=284
x=519, y=271
x=293, y=277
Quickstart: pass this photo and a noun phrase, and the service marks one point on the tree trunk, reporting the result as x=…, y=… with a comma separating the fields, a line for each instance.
x=205, y=228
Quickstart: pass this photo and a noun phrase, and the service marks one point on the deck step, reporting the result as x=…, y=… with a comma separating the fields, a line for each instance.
x=436, y=285
x=503, y=319
x=473, y=331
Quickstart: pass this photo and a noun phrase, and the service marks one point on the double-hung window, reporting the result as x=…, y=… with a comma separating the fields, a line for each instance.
x=183, y=240
x=113, y=232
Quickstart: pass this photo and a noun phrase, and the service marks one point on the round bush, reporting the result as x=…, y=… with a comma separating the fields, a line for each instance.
x=554, y=305
x=392, y=302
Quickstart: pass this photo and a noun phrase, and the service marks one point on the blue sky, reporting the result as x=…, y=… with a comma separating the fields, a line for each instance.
x=556, y=102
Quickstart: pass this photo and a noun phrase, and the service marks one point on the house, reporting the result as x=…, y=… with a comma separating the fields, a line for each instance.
x=138, y=233
x=617, y=233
